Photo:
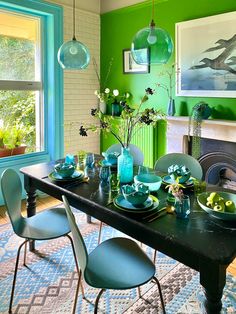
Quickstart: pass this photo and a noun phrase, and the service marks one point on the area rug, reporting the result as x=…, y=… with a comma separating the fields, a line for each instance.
x=48, y=284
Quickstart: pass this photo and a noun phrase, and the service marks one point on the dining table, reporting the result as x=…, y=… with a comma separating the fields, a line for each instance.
x=201, y=241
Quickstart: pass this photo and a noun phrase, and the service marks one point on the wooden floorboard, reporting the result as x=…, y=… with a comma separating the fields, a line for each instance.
x=46, y=202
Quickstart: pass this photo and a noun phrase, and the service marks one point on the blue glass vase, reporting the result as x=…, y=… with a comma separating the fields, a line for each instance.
x=171, y=107
x=125, y=166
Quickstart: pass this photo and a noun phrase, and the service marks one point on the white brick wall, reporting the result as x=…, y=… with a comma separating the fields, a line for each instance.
x=79, y=86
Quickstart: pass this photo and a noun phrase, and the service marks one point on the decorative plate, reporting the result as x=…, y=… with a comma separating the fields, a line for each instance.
x=77, y=175
x=155, y=204
x=202, y=200
x=169, y=180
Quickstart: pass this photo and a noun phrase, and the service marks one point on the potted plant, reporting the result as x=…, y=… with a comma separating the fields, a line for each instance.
x=11, y=140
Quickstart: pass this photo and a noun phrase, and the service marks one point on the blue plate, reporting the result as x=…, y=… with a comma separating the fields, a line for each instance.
x=155, y=204
x=123, y=203
x=77, y=175
x=169, y=180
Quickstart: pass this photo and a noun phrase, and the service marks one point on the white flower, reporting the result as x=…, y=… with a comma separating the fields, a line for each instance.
x=115, y=92
x=127, y=95
x=96, y=92
x=107, y=91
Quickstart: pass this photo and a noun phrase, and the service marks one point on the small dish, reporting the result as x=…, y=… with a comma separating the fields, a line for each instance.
x=149, y=179
x=122, y=202
x=202, y=200
x=77, y=175
x=155, y=204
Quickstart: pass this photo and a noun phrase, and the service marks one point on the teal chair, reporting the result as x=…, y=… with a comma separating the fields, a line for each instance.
x=117, y=263
x=46, y=225
x=190, y=162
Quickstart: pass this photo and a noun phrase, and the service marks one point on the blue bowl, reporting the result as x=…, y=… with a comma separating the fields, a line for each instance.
x=149, y=179
x=65, y=170
x=134, y=195
x=111, y=158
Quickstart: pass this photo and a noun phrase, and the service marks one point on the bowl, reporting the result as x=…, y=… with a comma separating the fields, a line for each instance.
x=65, y=170
x=111, y=158
x=179, y=171
x=136, y=195
x=149, y=179
x=223, y=215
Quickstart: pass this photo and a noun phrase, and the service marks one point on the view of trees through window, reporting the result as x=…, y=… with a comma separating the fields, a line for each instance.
x=18, y=105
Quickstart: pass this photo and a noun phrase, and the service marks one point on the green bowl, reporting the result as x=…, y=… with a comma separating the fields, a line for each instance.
x=65, y=170
x=149, y=179
x=202, y=200
x=133, y=196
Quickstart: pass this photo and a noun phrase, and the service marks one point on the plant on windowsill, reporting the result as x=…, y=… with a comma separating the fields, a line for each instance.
x=11, y=140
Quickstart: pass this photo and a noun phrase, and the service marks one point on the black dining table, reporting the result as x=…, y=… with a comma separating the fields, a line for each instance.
x=201, y=242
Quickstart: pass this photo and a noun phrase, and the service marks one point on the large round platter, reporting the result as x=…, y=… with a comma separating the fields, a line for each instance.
x=168, y=180
x=77, y=175
x=135, y=210
x=202, y=200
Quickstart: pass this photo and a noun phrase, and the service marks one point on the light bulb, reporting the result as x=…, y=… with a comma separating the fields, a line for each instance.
x=152, y=38
x=73, y=50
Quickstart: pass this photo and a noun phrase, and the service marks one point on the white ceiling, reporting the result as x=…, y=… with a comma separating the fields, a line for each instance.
x=109, y=5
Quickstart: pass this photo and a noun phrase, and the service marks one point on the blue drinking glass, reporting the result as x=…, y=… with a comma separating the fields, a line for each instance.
x=90, y=160
x=105, y=173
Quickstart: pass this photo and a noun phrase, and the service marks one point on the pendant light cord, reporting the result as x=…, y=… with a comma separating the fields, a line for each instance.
x=74, y=20
x=152, y=24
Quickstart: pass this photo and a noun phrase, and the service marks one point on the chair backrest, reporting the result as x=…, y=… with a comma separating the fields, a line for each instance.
x=12, y=193
x=134, y=150
x=190, y=162
x=80, y=247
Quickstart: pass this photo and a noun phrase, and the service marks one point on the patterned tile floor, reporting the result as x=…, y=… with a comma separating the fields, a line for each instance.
x=48, y=284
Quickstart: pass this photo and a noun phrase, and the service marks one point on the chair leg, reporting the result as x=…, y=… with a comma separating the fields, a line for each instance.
x=160, y=293
x=24, y=263
x=15, y=274
x=154, y=256
x=89, y=219
x=97, y=300
x=76, y=263
x=139, y=292
x=100, y=232
x=77, y=292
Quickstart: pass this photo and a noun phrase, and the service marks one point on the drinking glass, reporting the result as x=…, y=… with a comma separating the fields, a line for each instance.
x=199, y=187
x=115, y=182
x=90, y=160
x=105, y=173
x=182, y=207
x=81, y=159
x=143, y=170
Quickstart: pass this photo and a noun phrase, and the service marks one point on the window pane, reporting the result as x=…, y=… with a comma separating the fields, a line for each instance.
x=19, y=47
x=21, y=111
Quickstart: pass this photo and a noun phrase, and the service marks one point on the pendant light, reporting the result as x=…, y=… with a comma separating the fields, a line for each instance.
x=151, y=45
x=73, y=55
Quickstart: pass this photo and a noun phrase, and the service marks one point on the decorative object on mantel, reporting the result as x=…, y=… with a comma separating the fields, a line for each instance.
x=199, y=112
x=73, y=55
x=133, y=119
x=153, y=39
x=169, y=72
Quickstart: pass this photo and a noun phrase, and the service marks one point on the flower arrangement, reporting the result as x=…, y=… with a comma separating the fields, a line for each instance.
x=133, y=118
x=170, y=84
x=110, y=97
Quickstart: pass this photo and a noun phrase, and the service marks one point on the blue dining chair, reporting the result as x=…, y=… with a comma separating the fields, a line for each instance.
x=134, y=150
x=117, y=263
x=190, y=162
x=46, y=225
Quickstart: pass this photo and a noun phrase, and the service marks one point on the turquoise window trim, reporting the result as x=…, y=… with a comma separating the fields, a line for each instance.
x=52, y=18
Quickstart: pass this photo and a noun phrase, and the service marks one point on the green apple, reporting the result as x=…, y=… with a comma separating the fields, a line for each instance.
x=230, y=207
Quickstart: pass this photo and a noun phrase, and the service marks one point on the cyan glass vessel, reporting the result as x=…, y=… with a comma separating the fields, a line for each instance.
x=125, y=165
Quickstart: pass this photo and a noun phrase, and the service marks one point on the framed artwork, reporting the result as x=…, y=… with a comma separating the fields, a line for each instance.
x=130, y=66
x=206, y=56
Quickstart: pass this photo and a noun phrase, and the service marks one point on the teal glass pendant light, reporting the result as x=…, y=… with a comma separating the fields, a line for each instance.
x=152, y=45
x=73, y=55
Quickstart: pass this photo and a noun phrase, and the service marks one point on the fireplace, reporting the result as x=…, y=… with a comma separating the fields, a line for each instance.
x=218, y=148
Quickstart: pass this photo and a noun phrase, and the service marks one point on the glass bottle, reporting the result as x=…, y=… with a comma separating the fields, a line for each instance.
x=125, y=166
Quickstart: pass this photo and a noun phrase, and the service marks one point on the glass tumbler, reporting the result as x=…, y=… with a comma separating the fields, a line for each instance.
x=105, y=173
x=90, y=160
x=115, y=182
x=182, y=207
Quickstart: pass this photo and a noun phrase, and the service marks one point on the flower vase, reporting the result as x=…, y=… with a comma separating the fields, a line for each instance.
x=115, y=107
x=125, y=166
x=171, y=107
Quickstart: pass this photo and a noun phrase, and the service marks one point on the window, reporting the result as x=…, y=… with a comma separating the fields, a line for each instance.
x=21, y=90
x=31, y=80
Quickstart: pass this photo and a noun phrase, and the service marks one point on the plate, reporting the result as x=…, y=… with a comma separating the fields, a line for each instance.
x=202, y=200
x=155, y=204
x=169, y=180
x=77, y=175
x=122, y=202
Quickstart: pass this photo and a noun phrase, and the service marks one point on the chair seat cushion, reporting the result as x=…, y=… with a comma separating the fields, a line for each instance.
x=48, y=224
x=118, y=263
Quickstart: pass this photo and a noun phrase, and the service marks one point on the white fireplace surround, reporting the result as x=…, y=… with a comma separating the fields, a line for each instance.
x=177, y=132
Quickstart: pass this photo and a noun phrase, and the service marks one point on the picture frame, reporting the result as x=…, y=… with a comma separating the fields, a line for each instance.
x=206, y=56
x=130, y=66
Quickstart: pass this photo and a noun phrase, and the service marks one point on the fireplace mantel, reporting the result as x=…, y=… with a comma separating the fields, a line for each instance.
x=177, y=131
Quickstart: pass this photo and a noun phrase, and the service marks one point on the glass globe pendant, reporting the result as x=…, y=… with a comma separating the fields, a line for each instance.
x=151, y=45
x=73, y=55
